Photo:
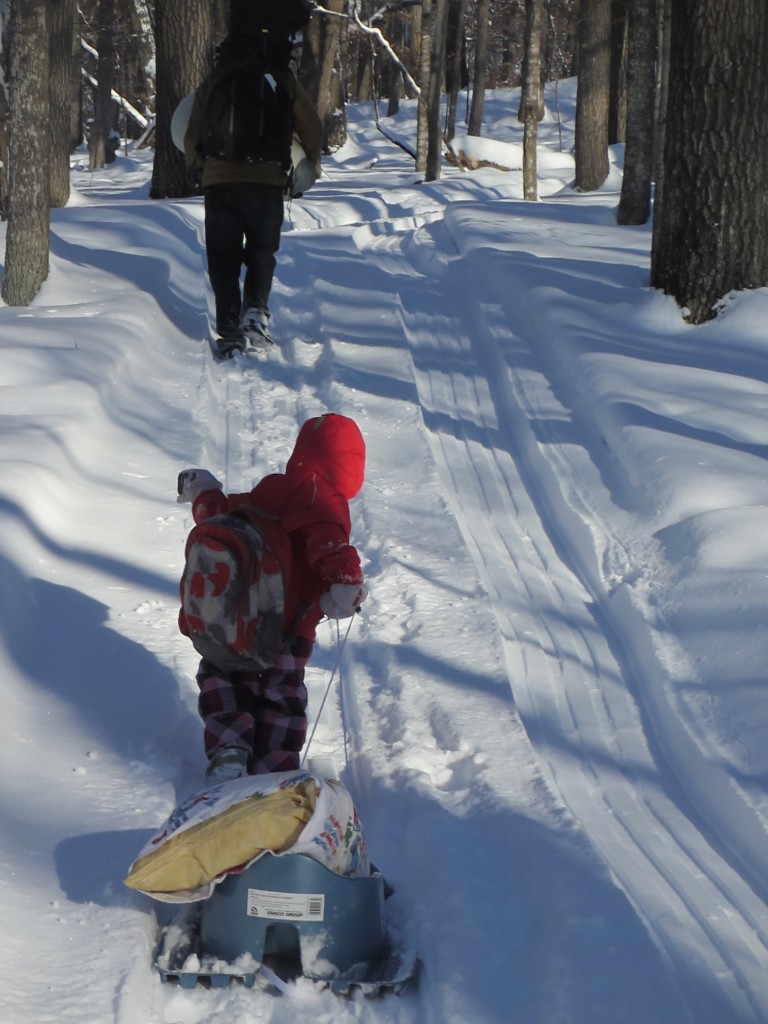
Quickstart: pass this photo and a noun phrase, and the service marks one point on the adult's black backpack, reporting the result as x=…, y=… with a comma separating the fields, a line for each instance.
x=248, y=113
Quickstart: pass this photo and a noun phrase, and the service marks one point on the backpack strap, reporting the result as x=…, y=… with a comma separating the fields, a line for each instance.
x=297, y=521
x=292, y=523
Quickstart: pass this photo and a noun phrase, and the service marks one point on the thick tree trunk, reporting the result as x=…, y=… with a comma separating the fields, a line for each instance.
x=635, y=203
x=184, y=35
x=712, y=235
x=99, y=147
x=593, y=95
x=62, y=14
x=26, y=249
x=3, y=156
x=330, y=100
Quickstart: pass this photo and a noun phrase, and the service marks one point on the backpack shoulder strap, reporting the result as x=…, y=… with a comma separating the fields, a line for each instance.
x=307, y=517
x=291, y=523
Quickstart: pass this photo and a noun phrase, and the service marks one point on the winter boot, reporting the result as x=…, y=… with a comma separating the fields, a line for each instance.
x=255, y=326
x=227, y=763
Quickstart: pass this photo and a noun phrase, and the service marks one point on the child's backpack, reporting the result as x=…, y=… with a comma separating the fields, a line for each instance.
x=248, y=113
x=233, y=587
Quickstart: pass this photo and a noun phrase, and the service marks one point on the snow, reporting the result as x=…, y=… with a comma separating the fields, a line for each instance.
x=552, y=712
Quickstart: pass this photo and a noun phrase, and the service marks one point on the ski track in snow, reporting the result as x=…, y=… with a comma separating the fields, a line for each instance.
x=575, y=700
x=456, y=378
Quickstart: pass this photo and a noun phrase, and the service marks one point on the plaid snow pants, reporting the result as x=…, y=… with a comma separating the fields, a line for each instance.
x=265, y=712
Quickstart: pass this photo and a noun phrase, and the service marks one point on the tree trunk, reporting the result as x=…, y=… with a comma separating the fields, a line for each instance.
x=26, y=249
x=475, y=126
x=593, y=95
x=617, y=109
x=422, y=116
x=183, y=33
x=3, y=155
x=99, y=147
x=62, y=14
x=393, y=74
x=455, y=59
x=662, y=89
x=531, y=100
x=635, y=203
x=329, y=99
x=75, y=87
x=531, y=87
x=436, y=78
x=712, y=236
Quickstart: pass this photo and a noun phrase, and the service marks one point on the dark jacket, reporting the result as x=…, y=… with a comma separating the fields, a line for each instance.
x=307, y=126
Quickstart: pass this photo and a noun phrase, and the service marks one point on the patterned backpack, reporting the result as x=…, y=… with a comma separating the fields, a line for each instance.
x=234, y=584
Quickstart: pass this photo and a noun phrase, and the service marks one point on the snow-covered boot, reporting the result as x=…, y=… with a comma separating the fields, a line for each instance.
x=255, y=326
x=226, y=764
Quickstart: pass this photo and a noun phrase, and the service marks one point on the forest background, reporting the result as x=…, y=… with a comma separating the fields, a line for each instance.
x=676, y=81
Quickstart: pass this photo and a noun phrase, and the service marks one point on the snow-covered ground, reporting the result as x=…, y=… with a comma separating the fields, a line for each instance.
x=552, y=715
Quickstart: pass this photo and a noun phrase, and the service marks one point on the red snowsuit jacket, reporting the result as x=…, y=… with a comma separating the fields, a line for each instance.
x=326, y=469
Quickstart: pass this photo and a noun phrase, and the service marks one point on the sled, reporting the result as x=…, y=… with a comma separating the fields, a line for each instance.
x=283, y=918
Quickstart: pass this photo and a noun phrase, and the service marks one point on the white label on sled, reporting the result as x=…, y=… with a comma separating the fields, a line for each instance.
x=286, y=906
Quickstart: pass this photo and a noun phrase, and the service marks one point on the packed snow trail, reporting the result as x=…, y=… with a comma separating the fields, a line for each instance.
x=477, y=383
x=417, y=767
x=430, y=360
x=501, y=718
x=574, y=697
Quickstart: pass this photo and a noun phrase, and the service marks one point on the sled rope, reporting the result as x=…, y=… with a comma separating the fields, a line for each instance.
x=336, y=668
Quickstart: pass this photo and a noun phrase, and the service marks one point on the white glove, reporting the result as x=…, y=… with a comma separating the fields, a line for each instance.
x=343, y=599
x=192, y=483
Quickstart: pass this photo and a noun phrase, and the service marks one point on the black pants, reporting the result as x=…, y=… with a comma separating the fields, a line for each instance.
x=242, y=226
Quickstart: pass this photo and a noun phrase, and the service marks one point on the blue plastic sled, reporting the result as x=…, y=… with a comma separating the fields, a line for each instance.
x=295, y=917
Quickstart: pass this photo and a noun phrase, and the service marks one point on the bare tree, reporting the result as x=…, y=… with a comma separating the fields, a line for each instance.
x=711, y=220
x=593, y=94
x=27, y=244
x=531, y=86
x=480, y=77
x=62, y=14
x=422, y=117
x=435, y=90
x=3, y=149
x=184, y=40
x=635, y=202
x=100, y=151
x=532, y=99
x=617, y=101
x=455, y=68
x=321, y=69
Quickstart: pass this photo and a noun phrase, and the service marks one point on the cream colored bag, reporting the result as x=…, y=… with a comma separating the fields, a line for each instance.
x=227, y=827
